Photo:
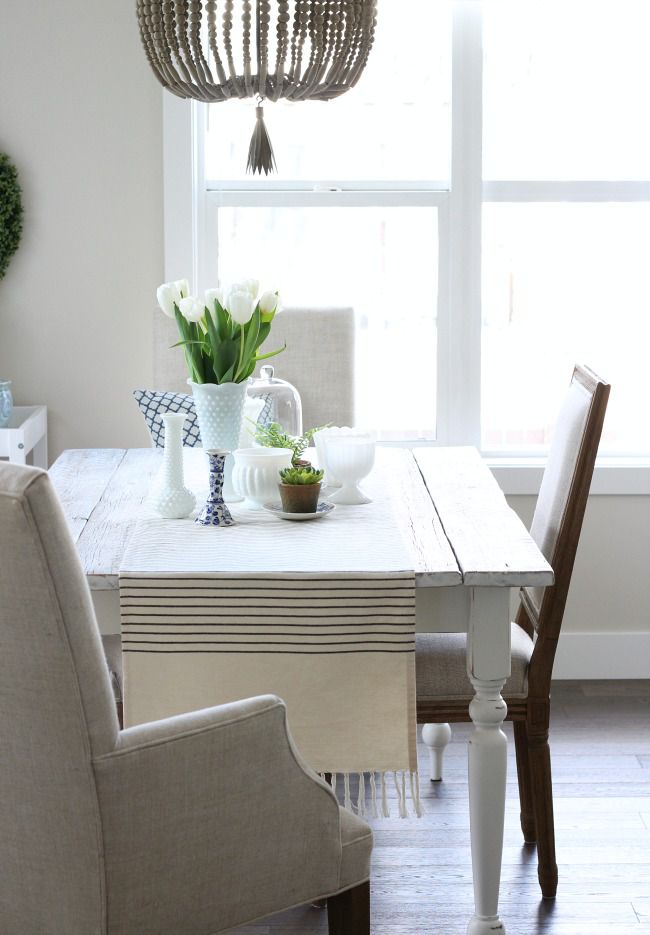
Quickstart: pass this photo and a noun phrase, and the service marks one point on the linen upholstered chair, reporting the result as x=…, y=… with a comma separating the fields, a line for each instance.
x=161, y=829
x=443, y=688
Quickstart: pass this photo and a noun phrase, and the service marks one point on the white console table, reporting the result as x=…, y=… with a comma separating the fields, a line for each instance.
x=27, y=431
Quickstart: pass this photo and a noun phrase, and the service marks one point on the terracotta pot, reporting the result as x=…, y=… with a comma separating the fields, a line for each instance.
x=299, y=498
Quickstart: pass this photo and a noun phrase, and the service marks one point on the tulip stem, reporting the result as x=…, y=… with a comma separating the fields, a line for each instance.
x=241, y=352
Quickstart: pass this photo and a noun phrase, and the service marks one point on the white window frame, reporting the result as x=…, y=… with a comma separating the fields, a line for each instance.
x=190, y=219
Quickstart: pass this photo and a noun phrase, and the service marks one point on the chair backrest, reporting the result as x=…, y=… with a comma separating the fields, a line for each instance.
x=560, y=510
x=319, y=360
x=56, y=712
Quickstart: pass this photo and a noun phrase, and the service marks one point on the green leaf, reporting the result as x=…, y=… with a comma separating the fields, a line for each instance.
x=251, y=333
x=265, y=330
x=213, y=335
x=271, y=353
x=222, y=321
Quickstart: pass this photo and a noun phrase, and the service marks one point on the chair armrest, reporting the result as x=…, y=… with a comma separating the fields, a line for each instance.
x=211, y=819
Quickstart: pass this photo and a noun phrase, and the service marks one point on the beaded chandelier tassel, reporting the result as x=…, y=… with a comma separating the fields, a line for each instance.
x=320, y=50
x=260, y=151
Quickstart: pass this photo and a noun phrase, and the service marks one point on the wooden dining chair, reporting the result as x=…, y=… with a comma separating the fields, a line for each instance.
x=443, y=688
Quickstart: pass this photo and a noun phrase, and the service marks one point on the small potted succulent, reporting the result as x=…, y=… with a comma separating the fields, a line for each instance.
x=300, y=489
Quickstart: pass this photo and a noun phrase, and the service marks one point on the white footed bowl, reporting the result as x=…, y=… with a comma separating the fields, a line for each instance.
x=255, y=474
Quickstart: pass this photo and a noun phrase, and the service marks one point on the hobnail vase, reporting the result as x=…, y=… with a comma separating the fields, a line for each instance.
x=170, y=497
x=219, y=412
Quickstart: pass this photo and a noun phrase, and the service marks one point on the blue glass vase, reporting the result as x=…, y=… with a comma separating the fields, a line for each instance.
x=6, y=403
x=215, y=512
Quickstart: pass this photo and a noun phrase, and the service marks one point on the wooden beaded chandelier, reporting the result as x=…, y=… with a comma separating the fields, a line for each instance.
x=321, y=48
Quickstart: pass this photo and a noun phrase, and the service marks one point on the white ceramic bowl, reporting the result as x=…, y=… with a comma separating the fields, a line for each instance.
x=255, y=474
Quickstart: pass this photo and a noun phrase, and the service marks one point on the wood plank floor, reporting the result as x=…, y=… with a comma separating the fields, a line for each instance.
x=421, y=872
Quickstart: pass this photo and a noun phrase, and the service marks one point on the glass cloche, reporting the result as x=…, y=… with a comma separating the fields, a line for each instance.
x=281, y=401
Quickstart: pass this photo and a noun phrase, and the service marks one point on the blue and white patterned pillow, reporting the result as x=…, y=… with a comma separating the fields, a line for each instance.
x=154, y=404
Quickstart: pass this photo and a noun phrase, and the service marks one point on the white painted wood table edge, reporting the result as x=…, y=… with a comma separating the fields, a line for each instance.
x=26, y=432
x=491, y=552
x=494, y=552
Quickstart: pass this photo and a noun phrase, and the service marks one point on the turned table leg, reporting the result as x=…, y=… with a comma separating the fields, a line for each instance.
x=488, y=666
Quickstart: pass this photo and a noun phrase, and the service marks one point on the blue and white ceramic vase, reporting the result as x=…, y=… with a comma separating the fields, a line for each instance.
x=220, y=412
x=6, y=403
x=215, y=512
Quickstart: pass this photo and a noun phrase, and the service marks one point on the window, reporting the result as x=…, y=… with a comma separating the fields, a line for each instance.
x=482, y=200
x=566, y=221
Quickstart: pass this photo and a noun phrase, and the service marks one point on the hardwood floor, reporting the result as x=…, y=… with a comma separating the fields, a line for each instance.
x=421, y=876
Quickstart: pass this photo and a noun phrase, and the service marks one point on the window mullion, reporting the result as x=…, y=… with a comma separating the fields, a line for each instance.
x=462, y=416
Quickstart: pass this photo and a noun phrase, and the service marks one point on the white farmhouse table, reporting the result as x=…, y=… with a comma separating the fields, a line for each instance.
x=466, y=543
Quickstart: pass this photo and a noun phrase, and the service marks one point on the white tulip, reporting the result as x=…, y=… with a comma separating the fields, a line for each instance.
x=252, y=286
x=211, y=295
x=241, y=306
x=191, y=308
x=167, y=294
x=183, y=287
x=269, y=302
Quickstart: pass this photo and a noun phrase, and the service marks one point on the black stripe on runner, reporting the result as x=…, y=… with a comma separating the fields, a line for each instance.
x=245, y=613
x=255, y=645
x=272, y=577
x=268, y=603
x=279, y=652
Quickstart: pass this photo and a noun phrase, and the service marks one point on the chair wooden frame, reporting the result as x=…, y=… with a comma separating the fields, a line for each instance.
x=531, y=715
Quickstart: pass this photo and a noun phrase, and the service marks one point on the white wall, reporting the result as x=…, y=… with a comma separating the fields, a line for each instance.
x=81, y=117
x=606, y=627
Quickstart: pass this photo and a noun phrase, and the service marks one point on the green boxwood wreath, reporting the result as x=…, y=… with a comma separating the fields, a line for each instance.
x=11, y=212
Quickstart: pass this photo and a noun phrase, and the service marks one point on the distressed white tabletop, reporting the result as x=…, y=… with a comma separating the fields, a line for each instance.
x=457, y=525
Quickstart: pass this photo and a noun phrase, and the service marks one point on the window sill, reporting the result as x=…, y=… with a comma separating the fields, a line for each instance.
x=612, y=477
x=522, y=476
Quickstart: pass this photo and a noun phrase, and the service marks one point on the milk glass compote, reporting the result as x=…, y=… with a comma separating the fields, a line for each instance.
x=350, y=458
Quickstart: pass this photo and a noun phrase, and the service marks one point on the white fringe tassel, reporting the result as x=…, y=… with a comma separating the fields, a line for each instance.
x=361, y=798
x=373, y=795
x=347, y=799
x=399, y=781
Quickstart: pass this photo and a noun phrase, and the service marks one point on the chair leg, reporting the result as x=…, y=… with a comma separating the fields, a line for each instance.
x=348, y=913
x=527, y=814
x=542, y=784
x=436, y=737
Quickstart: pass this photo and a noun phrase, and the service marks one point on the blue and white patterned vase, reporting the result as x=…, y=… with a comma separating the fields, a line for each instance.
x=215, y=512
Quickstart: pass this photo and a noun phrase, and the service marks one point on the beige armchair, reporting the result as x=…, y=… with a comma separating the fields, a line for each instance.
x=161, y=829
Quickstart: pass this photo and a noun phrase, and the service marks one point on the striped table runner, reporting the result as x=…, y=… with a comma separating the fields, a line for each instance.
x=335, y=640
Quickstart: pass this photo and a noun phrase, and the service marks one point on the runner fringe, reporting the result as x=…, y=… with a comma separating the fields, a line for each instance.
x=399, y=779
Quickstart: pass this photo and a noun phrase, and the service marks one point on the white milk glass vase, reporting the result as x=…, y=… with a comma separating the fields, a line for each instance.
x=350, y=458
x=170, y=497
x=219, y=412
